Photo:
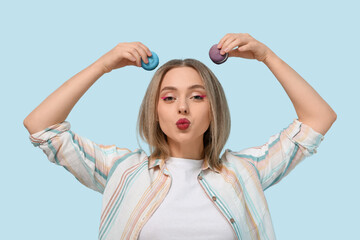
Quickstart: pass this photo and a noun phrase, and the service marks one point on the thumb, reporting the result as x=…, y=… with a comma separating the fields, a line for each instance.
x=238, y=52
x=243, y=48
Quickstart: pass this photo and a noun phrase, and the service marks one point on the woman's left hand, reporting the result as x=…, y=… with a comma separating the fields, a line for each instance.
x=248, y=47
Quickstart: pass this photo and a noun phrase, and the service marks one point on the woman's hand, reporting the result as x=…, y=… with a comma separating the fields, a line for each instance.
x=248, y=47
x=124, y=54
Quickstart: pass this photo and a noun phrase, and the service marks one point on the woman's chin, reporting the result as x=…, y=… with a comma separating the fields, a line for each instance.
x=185, y=138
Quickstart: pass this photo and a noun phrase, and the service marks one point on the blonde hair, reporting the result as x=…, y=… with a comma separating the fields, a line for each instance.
x=215, y=136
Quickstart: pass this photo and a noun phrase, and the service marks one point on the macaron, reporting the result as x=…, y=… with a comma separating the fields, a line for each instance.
x=215, y=55
x=153, y=62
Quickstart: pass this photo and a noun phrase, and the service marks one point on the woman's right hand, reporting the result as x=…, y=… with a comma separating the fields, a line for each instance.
x=124, y=54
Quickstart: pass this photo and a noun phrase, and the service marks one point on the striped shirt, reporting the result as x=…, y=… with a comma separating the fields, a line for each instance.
x=133, y=186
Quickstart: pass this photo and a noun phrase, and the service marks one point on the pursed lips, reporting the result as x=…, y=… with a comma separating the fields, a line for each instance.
x=183, y=121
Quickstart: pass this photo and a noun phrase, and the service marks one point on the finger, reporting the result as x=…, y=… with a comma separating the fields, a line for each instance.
x=221, y=42
x=227, y=45
x=146, y=49
x=244, y=48
x=235, y=43
x=137, y=55
x=130, y=56
x=142, y=53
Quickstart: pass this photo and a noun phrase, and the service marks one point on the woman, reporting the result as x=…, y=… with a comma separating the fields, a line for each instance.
x=184, y=189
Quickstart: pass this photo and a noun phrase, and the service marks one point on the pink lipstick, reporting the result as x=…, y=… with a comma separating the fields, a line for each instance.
x=183, y=123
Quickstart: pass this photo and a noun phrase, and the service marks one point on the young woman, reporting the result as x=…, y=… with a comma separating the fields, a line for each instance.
x=185, y=188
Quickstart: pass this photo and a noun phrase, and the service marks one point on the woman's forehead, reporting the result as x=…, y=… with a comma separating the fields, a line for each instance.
x=181, y=77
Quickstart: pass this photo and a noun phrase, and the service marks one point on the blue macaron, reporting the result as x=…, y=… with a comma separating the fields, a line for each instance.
x=153, y=62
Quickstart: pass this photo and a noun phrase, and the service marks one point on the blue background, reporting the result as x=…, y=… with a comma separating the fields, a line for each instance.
x=45, y=43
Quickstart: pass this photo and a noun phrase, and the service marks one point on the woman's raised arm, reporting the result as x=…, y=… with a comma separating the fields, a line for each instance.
x=57, y=106
x=309, y=105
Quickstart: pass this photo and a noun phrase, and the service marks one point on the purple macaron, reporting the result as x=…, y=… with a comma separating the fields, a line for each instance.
x=215, y=55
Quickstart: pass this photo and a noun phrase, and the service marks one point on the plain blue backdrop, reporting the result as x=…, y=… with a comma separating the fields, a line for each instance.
x=44, y=43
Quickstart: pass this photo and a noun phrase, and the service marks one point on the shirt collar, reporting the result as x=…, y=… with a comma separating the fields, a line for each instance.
x=161, y=163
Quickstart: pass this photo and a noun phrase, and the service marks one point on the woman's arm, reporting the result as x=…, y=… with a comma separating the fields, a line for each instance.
x=57, y=106
x=309, y=106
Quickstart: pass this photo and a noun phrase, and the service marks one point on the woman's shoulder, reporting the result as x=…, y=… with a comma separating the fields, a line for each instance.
x=127, y=159
x=233, y=159
x=239, y=164
x=123, y=154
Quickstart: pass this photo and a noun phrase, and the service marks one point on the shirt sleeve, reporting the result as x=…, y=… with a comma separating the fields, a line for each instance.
x=282, y=152
x=89, y=162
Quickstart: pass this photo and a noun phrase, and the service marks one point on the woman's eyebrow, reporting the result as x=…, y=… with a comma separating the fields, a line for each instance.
x=174, y=88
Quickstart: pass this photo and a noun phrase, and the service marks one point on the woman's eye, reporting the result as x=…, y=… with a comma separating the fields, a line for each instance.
x=198, y=97
x=166, y=99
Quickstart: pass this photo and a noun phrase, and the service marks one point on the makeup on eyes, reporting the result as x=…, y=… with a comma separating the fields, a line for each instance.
x=202, y=96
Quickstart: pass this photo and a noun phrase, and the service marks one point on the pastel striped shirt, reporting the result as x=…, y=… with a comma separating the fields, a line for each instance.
x=133, y=186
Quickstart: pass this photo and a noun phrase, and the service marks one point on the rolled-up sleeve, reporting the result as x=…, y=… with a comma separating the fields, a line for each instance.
x=282, y=152
x=87, y=161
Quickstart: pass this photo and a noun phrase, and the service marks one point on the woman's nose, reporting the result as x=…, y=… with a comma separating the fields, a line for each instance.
x=183, y=107
x=183, y=111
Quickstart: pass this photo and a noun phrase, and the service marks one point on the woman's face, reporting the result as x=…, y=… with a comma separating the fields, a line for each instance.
x=182, y=95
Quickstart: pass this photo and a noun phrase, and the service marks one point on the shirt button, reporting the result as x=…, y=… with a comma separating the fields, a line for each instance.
x=214, y=198
x=200, y=177
x=232, y=220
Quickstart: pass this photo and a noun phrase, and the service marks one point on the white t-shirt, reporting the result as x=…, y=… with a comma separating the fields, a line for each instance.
x=186, y=212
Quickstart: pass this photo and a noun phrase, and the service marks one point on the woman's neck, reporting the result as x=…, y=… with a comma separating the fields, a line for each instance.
x=189, y=150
